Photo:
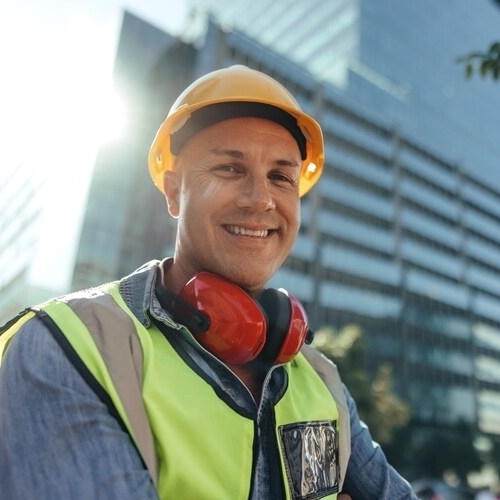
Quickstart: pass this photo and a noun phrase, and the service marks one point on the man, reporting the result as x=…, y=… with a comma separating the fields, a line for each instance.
x=188, y=379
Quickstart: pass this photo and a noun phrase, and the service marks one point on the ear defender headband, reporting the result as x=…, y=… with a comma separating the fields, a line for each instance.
x=235, y=327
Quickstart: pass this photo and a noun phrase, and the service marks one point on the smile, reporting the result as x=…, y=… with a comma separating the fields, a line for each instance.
x=261, y=233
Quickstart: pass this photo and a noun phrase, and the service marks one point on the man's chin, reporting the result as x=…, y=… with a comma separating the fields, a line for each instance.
x=251, y=283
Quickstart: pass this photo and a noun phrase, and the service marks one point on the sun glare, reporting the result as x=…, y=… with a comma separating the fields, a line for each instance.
x=58, y=106
x=113, y=118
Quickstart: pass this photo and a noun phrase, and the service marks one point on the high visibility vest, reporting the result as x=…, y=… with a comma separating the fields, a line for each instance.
x=194, y=442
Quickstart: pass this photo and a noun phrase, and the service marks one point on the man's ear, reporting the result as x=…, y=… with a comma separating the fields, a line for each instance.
x=172, y=188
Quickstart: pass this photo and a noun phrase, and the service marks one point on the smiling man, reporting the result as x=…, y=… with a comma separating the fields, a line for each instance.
x=189, y=378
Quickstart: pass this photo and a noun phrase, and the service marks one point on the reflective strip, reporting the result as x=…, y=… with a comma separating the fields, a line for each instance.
x=329, y=374
x=116, y=339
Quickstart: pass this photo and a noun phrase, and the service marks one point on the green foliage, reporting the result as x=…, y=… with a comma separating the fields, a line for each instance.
x=491, y=452
x=416, y=449
x=429, y=450
x=449, y=449
x=378, y=405
x=389, y=409
x=487, y=64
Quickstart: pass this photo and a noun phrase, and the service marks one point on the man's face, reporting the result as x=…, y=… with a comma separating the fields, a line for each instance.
x=235, y=191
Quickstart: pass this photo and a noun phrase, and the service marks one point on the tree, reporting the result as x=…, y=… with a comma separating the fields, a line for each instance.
x=487, y=64
x=491, y=452
x=428, y=449
x=448, y=450
x=415, y=448
x=378, y=406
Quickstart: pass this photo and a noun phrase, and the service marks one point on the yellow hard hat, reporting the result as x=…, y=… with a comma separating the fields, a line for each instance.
x=229, y=93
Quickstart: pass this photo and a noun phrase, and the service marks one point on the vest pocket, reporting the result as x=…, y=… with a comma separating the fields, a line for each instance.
x=311, y=455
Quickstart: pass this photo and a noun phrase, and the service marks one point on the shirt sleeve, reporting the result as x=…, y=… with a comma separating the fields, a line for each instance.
x=369, y=476
x=57, y=439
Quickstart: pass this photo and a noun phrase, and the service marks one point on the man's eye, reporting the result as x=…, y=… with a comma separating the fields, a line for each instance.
x=226, y=168
x=277, y=176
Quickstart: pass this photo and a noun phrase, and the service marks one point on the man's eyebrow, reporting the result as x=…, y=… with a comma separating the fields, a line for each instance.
x=236, y=153
x=288, y=163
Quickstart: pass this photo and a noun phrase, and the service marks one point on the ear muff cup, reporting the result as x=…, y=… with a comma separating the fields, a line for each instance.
x=237, y=326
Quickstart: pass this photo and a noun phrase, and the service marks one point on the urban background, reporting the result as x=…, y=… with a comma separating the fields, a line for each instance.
x=398, y=257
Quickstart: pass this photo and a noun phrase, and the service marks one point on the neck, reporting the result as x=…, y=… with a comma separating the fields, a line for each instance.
x=172, y=276
x=252, y=375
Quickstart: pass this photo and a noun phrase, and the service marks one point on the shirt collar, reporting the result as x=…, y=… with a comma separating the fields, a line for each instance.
x=138, y=292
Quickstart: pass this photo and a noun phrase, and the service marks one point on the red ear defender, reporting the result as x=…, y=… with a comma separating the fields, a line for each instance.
x=237, y=328
x=273, y=327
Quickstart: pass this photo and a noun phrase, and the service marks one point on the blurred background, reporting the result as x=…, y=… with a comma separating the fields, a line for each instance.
x=398, y=258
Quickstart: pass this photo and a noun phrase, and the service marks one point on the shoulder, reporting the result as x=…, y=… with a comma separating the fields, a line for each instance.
x=33, y=357
x=33, y=336
x=53, y=421
x=37, y=371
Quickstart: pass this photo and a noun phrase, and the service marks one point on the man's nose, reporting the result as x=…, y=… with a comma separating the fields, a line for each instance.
x=256, y=194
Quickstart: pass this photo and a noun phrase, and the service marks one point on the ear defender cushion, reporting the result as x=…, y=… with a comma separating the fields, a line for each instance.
x=288, y=327
x=276, y=306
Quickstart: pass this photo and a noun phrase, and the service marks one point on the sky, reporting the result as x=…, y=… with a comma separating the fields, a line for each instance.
x=56, y=61
x=57, y=105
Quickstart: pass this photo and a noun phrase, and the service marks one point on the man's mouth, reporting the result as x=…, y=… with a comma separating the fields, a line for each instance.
x=243, y=231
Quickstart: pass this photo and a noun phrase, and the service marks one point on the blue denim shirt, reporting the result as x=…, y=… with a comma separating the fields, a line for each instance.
x=58, y=440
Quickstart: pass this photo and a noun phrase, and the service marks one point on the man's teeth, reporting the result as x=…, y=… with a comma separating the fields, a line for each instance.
x=262, y=233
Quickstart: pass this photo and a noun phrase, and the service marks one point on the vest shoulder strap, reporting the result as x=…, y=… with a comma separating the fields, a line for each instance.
x=102, y=313
x=8, y=330
x=329, y=374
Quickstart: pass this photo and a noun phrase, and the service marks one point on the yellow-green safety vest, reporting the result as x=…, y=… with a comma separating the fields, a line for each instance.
x=192, y=442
